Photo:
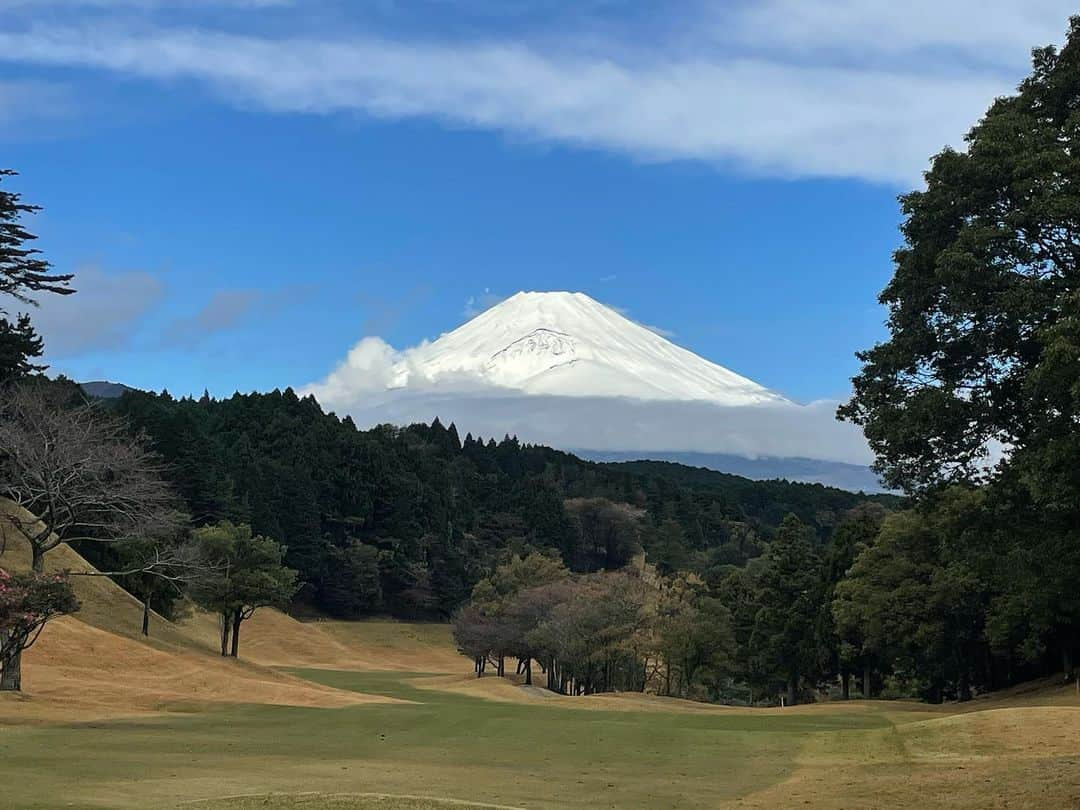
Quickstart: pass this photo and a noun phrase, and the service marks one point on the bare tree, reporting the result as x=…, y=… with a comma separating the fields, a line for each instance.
x=80, y=475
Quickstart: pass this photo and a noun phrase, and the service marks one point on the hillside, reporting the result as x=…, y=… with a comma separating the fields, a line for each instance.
x=97, y=663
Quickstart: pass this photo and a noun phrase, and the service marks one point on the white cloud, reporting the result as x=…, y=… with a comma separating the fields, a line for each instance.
x=367, y=369
x=992, y=31
x=370, y=386
x=102, y=315
x=794, y=89
x=596, y=423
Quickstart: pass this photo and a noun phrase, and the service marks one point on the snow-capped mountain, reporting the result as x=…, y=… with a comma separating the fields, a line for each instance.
x=567, y=344
x=561, y=369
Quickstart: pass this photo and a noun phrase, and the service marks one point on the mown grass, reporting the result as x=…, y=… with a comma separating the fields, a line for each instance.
x=443, y=745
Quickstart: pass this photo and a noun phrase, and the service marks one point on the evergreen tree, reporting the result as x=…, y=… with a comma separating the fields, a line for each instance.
x=19, y=346
x=246, y=572
x=22, y=270
x=788, y=598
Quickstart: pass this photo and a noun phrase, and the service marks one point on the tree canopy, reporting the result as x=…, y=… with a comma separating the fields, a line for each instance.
x=244, y=573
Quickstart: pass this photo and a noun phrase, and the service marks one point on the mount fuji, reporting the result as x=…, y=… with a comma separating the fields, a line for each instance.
x=562, y=369
x=567, y=344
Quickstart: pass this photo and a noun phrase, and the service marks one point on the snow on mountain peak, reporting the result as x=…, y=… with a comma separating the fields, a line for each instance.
x=568, y=344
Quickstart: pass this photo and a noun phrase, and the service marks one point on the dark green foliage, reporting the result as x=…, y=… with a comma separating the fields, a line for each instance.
x=441, y=513
x=242, y=573
x=19, y=346
x=984, y=292
x=978, y=588
x=23, y=273
x=22, y=270
x=351, y=586
x=788, y=597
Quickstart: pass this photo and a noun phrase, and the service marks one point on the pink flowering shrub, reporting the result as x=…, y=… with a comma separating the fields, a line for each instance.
x=27, y=602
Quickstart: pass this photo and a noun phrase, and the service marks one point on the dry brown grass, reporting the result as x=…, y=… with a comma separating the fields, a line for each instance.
x=398, y=646
x=1021, y=757
x=79, y=672
x=97, y=664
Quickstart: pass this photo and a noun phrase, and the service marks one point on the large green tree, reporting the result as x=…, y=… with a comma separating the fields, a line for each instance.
x=984, y=289
x=915, y=599
x=245, y=572
x=979, y=380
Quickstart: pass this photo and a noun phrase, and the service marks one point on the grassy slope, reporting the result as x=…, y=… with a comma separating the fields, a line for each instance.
x=96, y=664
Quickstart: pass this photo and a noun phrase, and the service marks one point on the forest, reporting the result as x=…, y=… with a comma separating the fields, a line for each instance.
x=406, y=521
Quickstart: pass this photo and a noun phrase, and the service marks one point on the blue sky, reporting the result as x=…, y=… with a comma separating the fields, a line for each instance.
x=246, y=188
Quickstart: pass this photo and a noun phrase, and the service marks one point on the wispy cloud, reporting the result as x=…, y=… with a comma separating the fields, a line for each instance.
x=102, y=315
x=824, y=88
x=27, y=106
x=224, y=310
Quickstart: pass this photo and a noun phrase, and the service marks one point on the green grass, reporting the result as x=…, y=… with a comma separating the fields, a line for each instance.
x=445, y=745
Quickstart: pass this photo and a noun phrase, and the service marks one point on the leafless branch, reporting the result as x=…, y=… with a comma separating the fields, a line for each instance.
x=80, y=474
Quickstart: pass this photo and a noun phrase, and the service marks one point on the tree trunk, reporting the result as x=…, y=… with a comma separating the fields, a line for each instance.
x=964, y=688
x=501, y=669
x=793, y=689
x=37, y=563
x=237, y=618
x=10, y=669
x=1066, y=661
x=528, y=672
x=11, y=677
x=146, y=616
x=226, y=623
x=845, y=684
x=866, y=673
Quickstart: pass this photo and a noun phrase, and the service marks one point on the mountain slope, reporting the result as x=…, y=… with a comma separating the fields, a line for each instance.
x=102, y=389
x=567, y=344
